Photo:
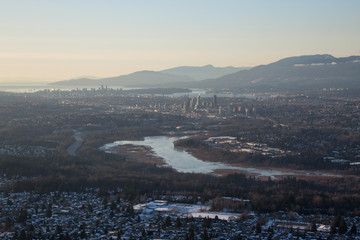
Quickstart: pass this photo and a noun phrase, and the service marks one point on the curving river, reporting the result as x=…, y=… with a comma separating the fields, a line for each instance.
x=182, y=161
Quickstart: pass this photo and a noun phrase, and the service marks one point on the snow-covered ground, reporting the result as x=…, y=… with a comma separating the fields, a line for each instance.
x=183, y=210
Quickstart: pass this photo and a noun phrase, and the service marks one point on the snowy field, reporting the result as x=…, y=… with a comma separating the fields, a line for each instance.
x=183, y=210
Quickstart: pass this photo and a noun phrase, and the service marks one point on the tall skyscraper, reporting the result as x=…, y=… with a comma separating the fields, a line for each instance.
x=214, y=101
x=198, y=102
x=187, y=107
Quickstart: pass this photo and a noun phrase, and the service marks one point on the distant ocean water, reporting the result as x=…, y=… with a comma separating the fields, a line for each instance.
x=30, y=88
x=20, y=89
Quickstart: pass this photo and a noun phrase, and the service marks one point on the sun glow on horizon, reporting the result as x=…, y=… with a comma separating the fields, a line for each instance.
x=51, y=41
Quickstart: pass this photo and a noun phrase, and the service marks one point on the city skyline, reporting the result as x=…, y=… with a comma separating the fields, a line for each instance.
x=48, y=41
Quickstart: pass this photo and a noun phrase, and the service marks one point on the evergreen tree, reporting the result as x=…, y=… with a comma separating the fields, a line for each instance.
x=191, y=234
x=113, y=206
x=22, y=235
x=313, y=227
x=207, y=222
x=83, y=234
x=8, y=224
x=178, y=223
x=342, y=226
x=48, y=211
x=339, y=225
x=353, y=229
x=119, y=233
x=187, y=237
x=204, y=235
x=58, y=229
x=105, y=202
x=22, y=216
x=166, y=222
x=258, y=228
x=67, y=237
x=334, y=225
x=238, y=237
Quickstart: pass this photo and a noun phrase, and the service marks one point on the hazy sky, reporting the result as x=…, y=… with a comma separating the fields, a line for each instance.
x=42, y=40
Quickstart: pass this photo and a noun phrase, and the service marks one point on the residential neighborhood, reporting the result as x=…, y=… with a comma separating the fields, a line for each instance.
x=96, y=215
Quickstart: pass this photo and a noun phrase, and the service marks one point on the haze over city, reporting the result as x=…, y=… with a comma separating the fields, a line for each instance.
x=47, y=41
x=187, y=120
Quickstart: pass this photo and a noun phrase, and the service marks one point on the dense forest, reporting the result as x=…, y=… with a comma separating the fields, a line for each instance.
x=301, y=161
x=136, y=180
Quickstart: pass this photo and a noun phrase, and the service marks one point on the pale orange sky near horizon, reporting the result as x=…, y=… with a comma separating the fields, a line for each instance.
x=46, y=41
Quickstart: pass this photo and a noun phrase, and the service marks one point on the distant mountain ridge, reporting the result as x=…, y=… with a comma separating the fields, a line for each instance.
x=307, y=72
x=315, y=59
x=203, y=72
x=300, y=73
x=170, y=77
x=136, y=79
x=145, y=79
